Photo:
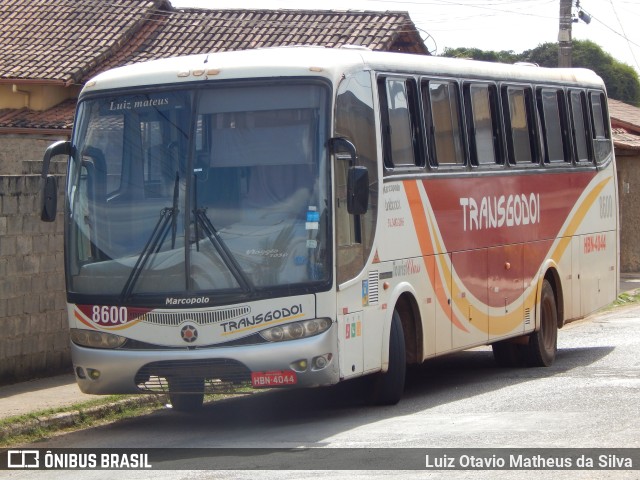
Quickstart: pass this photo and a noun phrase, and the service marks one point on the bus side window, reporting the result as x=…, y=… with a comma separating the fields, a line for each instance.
x=600, y=126
x=579, y=126
x=440, y=100
x=519, y=123
x=483, y=124
x=401, y=133
x=551, y=106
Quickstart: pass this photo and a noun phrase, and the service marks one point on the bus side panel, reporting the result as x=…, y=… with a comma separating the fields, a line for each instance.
x=574, y=301
x=471, y=309
x=598, y=276
x=506, y=288
x=442, y=286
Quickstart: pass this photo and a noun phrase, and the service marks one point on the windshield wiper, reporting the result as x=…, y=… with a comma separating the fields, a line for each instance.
x=202, y=220
x=168, y=216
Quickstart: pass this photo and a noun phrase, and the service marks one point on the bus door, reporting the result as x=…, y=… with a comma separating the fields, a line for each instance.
x=359, y=321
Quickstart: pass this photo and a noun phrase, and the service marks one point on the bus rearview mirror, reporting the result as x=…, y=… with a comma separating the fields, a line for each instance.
x=49, y=185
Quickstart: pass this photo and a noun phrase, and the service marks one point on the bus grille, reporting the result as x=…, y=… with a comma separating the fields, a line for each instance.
x=172, y=319
x=221, y=375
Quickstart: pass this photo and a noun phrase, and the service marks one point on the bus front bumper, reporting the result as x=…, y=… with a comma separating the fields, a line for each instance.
x=119, y=371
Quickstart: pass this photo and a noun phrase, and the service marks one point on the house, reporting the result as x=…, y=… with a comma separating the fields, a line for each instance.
x=625, y=123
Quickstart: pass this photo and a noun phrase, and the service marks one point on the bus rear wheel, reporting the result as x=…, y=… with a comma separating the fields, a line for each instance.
x=543, y=344
x=388, y=387
x=186, y=393
x=539, y=349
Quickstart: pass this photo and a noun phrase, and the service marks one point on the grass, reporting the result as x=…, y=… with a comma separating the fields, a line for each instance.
x=37, y=426
x=40, y=425
x=628, y=298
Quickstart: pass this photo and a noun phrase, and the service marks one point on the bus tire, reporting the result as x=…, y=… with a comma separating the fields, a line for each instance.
x=543, y=344
x=388, y=387
x=186, y=393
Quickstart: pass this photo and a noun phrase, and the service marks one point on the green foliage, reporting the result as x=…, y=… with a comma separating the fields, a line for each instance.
x=621, y=80
x=505, y=56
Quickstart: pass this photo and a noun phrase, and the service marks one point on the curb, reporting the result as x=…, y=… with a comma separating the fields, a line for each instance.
x=75, y=417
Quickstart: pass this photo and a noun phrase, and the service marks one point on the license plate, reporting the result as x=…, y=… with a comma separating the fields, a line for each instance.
x=273, y=379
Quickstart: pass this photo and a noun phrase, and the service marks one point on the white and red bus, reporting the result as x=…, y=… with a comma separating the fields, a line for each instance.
x=297, y=217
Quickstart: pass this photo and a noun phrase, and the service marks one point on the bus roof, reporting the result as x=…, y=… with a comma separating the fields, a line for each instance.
x=326, y=62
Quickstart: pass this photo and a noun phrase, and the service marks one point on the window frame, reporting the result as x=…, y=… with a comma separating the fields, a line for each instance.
x=563, y=118
x=586, y=127
x=602, y=145
x=430, y=127
x=532, y=125
x=496, y=125
x=415, y=123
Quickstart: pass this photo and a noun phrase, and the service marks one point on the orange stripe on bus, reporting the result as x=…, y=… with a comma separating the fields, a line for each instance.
x=425, y=237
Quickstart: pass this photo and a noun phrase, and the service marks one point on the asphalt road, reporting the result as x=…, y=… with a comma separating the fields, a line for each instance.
x=588, y=399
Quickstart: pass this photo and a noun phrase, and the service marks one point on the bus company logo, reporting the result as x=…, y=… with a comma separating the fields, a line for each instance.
x=497, y=212
x=285, y=313
x=189, y=333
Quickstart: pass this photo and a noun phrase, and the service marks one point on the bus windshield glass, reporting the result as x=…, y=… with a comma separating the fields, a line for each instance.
x=217, y=190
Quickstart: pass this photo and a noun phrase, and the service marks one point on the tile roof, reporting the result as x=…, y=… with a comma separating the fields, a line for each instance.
x=191, y=31
x=68, y=41
x=625, y=140
x=60, y=40
x=58, y=118
x=625, y=126
x=624, y=115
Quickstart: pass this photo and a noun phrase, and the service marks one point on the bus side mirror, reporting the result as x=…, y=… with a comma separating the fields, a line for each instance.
x=49, y=199
x=357, y=176
x=49, y=185
x=357, y=190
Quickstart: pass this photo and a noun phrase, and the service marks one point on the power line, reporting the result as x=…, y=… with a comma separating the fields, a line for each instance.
x=615, y=12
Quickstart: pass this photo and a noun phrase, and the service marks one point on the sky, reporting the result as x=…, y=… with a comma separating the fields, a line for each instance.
x=515, y=25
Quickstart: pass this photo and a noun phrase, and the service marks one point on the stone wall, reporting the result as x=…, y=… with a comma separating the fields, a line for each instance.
x=34, y=338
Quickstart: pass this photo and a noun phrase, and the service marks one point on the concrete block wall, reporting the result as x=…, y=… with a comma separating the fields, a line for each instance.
x=18, y=151
x=34, y=339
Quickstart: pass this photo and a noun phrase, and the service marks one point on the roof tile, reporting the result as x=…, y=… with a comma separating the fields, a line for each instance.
x=68, y=41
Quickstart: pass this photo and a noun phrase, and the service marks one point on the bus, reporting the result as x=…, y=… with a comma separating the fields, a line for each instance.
x=301, y=216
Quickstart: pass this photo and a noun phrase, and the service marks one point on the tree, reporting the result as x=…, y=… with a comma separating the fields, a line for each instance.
x=621, y=80
x=504, y=56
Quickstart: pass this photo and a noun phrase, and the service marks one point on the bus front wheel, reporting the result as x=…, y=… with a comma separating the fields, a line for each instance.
x=186, y=394
x=388, y=387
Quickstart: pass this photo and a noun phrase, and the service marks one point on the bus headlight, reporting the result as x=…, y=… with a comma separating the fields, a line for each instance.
x=95, y=339
x=295, y=330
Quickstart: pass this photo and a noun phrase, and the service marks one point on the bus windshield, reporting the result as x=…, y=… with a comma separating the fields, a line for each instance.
x=204, y=191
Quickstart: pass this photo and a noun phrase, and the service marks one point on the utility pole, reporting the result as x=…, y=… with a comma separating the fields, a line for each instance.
x=564, y=34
